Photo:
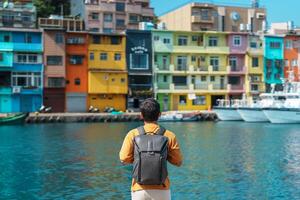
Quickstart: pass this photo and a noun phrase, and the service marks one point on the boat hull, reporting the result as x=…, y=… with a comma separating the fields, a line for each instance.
x=228, y=114
x=15, y=119
x=253, y=115
x=283, y=116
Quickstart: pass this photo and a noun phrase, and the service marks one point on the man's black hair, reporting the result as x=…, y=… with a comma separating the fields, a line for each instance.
x=150, y=110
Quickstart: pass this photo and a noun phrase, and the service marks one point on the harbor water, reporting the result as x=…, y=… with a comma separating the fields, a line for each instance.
x=223, y=160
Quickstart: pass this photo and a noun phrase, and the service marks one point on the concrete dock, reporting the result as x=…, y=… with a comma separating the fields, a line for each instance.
x=103, y=117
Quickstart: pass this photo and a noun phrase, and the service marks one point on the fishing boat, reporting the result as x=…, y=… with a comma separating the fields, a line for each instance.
x=14, y=119
x=228, y=110
x=178, y=117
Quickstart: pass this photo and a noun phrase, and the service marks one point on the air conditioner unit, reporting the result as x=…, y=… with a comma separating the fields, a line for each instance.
x=255, y=78
x=73, y=61
x=16, y=90
x=242, y=27
x=248, y=27
x=260, y=16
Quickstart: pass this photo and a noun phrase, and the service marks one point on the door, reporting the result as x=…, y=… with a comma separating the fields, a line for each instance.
x=166, y=103
x=5, y=104
x=26, y=103
x=175, y=102
x=76, y=103
x=215, y=98
x=222, y=82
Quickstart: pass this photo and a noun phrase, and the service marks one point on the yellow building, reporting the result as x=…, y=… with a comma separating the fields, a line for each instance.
x=108, y=84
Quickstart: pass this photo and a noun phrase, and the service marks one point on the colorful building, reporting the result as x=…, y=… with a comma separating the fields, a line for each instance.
x=112, y=16
x=273, y=61
x=139, y=58
x=55, y=69
x=76, y=71
x=255, y=67
x=107, y=76
x=191, y=70
x=291, y=57
x=238, y=43
x=21, y=73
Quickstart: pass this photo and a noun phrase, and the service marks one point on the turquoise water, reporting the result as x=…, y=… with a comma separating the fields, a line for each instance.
x=80, y=161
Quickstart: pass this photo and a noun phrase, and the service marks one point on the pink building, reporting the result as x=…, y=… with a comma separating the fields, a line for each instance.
x=238, y=43
x=111, y=16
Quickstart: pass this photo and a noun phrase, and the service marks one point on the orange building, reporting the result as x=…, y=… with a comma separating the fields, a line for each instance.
x=76, y=71
x=291, y=56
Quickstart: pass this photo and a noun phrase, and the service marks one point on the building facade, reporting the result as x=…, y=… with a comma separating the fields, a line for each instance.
x=111, y=16
x=21, y=73
x=255, y=67
x=212, y=17
x=191, y=70
x=55, y=69
x=17, y=14
x=107, y=76
x=291, y=57
x=273, y=61
x=76, y=71
x=139, y=58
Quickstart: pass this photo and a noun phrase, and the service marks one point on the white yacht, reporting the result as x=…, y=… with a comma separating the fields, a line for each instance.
x=287, y=112
x=228, y=110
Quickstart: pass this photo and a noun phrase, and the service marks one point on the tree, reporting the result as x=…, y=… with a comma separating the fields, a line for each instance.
x=48, y=7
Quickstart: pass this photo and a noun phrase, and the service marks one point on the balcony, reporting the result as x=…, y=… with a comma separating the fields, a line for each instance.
x=181, y=87
x=162, y=48
x=201, y=49
x=198, y=69
x=256, y=88
x=6, y=46
x=163, y=86
x=28, y=7
x=236, y=70
x=28, y=47
x=255, y=51
x=147, y=12
x=217, y=86
x=203, y=86
x=221, y=70
x=236, y=88
x=162, y=68
x=202, y=19
x=181, y=68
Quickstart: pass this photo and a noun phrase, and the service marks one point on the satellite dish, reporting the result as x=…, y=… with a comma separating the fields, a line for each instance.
x=235, y=16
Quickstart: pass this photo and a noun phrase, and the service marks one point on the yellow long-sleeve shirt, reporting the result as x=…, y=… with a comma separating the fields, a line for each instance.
x=127, y=154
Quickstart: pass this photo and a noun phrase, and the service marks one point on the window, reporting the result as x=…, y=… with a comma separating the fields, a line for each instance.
x=139, y=61
x=26, y=17
x=32, y=58
x=203, y=78
x=94, y=29
x=289, y=44
x=120, y=22
x=233, y=63
x=92, y=56
x=76, y=60
x=133, y=18
x=76, y=40
x=181, y=63
x=6, y=38
x=286, y=62
x=54, y=60
x=213, y=41
x=165, y=62
x=116, y=40
x=214, y=62
x=56, y=82
x=120, y=6
x=182, y=100
x=1, y=57
x=59, y=38
x=294, y=63
x=77, y=81
x=123, y=80
x=255, y=62
x=193, y=58
x=205, y=14
x=212, y=79
x=182, y=40
x=165, y=78
x=96, y=39
x=108, y=17
x=26, y=79
x=156, y=38
x=237, y=40
x=253, y=45
x=195, y=38
x=234, y=80
x=166, y=40
x=95, y=16
x=254, y=87
x=107, y=30
x=200, y=100
x=27, y=58
x=103, y=56
x=118, y=56
x=275, y=45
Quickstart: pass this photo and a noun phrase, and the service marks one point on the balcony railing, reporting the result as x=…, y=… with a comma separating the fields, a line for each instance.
x=201, y=86
x=181, y=68
x=181, y=87
x=163, y=86
x=219, y=87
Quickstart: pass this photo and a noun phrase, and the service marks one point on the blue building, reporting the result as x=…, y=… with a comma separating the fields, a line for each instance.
x=139, y=63
x=273, y=61
x=21, y=70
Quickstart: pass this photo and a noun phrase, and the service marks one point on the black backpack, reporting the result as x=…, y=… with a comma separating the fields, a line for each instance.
x=150, y=157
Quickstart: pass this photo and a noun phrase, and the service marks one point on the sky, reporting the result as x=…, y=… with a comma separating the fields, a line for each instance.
x=277, y=10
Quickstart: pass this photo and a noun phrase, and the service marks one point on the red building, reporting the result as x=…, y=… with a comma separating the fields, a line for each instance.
x=291, y=56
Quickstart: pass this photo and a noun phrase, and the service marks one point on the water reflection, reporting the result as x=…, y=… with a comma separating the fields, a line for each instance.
x=80, y=161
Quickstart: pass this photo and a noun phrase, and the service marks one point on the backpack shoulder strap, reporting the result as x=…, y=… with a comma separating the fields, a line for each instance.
x=161, y=131
x=141, y=130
